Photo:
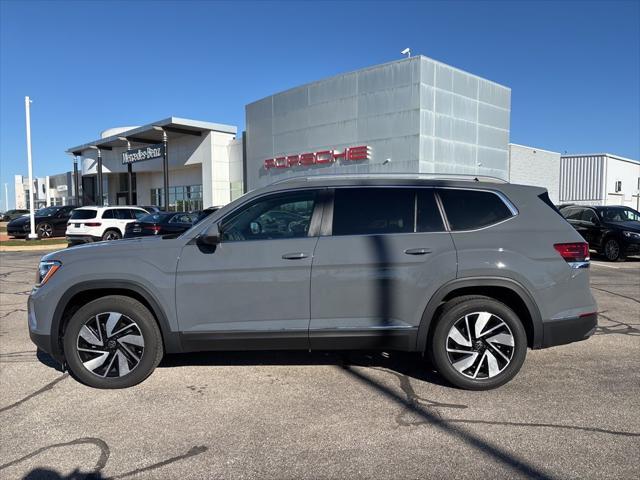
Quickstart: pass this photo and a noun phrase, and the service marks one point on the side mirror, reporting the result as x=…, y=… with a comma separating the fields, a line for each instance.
x=211, y=236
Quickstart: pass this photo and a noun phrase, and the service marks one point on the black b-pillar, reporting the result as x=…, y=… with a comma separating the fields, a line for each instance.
x=165, y=168
x=76, y=188
x=100, y=198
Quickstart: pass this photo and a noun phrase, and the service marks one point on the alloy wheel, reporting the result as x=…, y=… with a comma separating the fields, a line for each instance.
x=480, y=345
x=45, y=230
x=612, y=250
x=110, y=344
x=111, y=236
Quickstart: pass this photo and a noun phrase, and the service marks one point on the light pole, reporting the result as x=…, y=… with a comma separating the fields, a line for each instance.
x=32, y=220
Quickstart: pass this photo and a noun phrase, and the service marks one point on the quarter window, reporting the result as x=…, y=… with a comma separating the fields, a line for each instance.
x=275, y=217
x=471, y=209
x=367, y=211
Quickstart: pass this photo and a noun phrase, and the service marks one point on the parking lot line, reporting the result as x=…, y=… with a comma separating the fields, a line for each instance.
x=604, y=265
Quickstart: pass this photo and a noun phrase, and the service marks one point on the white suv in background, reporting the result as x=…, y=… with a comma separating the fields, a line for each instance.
x=91, y=224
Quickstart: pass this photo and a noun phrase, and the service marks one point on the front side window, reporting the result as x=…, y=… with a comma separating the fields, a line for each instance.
x=589, y=215
x=620, y=214
x=371, y=211
x=472, y=209
x=275, y=217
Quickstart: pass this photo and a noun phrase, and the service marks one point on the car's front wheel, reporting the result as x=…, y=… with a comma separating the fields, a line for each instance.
x=112, y=342
x=613, y=250
x=478, y=343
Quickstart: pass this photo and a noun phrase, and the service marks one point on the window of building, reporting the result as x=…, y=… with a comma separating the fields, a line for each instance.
x=186, y=198
x=618, y=186
x=275, y=217
x=370, y=211
x=471, y=209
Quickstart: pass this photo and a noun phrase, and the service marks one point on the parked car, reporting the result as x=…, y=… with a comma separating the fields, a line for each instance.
x=12, y=214
x=205, y=213
x=162, y=223
x=151, y=208
x=93, y=224
x=49, y=222
x=447, y=268
x=613, y=231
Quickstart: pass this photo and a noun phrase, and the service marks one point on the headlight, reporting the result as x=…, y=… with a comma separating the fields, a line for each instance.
x=46, y=269
x=633, y=235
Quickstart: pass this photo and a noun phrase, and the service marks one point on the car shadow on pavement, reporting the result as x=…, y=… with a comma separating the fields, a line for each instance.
x=412, y=365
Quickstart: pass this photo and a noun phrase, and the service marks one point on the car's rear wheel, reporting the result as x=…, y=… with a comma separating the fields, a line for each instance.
x=44, y=230
x=111, y=235
x=478, y=343
x=613, y=250
x=112, y=342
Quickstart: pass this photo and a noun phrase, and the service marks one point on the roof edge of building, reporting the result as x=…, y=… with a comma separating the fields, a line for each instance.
x=601, y=154
x=533, y=148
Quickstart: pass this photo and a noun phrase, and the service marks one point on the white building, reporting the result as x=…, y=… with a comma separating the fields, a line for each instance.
x=535, y=166
x=600, y=179
x=414, y=115
x=204, y=165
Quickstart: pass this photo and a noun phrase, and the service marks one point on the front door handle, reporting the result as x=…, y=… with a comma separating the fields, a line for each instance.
x=417, y=251
x=294, y=256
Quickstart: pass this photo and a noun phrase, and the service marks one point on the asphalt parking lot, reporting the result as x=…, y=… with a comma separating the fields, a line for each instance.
x=572, y=412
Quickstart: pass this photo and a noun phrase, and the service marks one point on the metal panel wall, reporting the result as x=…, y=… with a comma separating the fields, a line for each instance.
x=582, y=178
x=417, y=115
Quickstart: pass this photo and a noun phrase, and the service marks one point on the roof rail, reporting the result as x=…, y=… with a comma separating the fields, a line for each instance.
x=392, y=176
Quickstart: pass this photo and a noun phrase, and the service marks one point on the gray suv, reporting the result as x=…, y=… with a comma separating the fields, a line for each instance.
x=470, y=272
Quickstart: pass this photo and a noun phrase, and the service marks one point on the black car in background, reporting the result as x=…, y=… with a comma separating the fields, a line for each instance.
x=160, y=223
x=12, y=214
x=612, y=231
x=49, y=222
x=205, y=213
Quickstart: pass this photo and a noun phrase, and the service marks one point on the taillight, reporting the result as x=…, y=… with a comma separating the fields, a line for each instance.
x=92, y=224
x=155, y=229
x=574, y=253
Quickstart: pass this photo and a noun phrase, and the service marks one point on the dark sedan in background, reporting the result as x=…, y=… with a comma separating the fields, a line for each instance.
x=12, y=214
x=49, y=222
x=160, y=223
x=613, y=231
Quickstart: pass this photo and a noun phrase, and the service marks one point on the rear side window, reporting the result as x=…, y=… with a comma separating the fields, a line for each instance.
x=108, y=214
x=573, y=213
x=366, y=211
x=83, y=214
x=124, y=213
x=428, y=217
x=471, y=209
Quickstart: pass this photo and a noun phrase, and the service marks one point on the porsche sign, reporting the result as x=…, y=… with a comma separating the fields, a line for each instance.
x=323, y=157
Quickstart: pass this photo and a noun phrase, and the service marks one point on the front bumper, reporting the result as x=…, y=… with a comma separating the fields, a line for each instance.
x=568, y=330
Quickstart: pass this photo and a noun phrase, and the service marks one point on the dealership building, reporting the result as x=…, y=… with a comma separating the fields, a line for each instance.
x=414, y=115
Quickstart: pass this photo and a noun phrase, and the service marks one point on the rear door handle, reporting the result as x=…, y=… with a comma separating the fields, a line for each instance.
x=417, y=251
x=294, y=256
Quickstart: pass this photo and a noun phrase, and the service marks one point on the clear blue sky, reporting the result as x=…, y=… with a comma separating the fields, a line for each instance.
x=573, y=67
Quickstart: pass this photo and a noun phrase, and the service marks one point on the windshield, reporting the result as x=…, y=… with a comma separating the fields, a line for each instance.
x=47, y=211
x=620, y=214
x=83, y=214
x=154, y=217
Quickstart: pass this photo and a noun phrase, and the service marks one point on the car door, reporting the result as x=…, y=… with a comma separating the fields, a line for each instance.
x=382, y=254
x=590, y=225
x=573, y=215
x=254, y=287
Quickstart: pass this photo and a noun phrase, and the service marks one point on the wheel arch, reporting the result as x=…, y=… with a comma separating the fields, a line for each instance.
x=80, y=294
x=508, y=291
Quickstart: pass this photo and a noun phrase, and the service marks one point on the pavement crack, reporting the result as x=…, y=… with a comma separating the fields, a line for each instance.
x=44, y=389
x=101, y=444
x=193, y=451
x=616, y=294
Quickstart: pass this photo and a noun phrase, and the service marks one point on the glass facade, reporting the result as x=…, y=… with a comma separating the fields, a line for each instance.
x=186, y=198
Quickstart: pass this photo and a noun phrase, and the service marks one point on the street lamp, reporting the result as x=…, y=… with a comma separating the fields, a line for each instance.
x=32, y=220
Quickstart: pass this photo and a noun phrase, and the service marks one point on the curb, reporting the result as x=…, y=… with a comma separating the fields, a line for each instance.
x=35, y=248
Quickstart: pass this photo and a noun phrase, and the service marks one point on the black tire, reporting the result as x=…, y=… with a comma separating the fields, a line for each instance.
x=111, y=234
x=44, y=230
x=145, y=324
x=454, y=312
x=613, y=250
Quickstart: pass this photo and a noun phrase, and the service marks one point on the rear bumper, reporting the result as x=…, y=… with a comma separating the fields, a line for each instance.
x=82, y=238
x=568, y=330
